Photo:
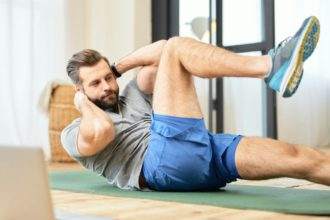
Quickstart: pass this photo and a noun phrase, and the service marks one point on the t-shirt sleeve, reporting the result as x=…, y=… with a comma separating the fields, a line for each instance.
x=69, y=137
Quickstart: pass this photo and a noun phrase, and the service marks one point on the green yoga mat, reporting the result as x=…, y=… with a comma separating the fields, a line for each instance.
x=296, y=201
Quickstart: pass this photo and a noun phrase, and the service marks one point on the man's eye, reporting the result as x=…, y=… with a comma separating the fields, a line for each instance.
x=94, y=84
x=108, y=78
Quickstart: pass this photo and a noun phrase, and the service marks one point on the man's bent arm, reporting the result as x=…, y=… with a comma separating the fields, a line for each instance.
x=145, y=56
x=96, y=129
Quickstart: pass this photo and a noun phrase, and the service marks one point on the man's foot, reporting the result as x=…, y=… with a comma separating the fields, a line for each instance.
x=288, y=58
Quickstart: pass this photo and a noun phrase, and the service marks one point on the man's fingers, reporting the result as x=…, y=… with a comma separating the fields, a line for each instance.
x=79, y=99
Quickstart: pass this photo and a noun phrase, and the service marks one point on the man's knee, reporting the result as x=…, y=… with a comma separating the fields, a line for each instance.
x=170, y=58
x=172, y=46
x=169, y=50
x=292, y=151
x=307, y=160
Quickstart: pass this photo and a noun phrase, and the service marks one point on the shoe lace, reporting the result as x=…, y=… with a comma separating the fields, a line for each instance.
x=282, y=44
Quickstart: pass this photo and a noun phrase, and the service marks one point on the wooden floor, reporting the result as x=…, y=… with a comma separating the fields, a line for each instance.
x=127, y=208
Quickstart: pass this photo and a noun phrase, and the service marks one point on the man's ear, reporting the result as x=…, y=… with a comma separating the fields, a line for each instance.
x=78, y=88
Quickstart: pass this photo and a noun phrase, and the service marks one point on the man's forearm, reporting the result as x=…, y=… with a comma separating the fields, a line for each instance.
x=96, y=129
x=93, y=118
x=145, y=56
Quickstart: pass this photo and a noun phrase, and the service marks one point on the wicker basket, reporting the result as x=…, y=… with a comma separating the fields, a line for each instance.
x=61, y=113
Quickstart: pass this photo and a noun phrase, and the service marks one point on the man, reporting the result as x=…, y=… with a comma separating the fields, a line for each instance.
x=154, y=135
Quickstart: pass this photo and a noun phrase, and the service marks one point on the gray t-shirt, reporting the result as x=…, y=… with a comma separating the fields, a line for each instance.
x=121, y=161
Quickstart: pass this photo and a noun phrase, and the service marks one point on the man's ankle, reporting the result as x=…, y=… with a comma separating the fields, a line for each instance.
x=269, y=66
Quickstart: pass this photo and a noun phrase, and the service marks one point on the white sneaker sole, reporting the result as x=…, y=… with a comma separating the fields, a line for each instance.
x=293, y=74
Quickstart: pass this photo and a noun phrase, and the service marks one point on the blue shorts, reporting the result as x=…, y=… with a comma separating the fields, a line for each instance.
x=183, y=155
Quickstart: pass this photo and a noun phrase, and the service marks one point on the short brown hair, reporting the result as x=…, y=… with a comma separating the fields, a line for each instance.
x=87, y=57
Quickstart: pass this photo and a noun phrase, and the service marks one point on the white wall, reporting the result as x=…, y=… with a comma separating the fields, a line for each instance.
x=116, y=28
x=39, y=37
x=305, y=117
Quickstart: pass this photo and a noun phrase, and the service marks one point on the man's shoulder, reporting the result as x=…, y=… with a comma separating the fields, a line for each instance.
x=72, y=125
x=69, y=136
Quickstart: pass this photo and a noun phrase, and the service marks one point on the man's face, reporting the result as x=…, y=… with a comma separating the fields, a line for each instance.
x=100, y=85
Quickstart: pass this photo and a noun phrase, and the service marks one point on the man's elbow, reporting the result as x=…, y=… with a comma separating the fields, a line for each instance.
x=93, y=144
x=146, y=79
x=104, y=132
x=162, y=42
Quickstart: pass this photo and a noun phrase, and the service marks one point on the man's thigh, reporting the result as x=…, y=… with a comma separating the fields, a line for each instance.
x=264, y=158
x=174, y=92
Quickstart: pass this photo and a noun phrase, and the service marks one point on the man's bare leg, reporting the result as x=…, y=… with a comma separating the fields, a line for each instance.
x=200, y=59
x=174, y=92
x=179, y=58
x=208, y=61
x=264, y=158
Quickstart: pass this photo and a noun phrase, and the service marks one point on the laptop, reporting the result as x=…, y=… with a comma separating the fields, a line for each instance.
x=24, y=189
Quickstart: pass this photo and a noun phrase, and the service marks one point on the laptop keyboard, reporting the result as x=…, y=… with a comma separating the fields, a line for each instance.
x=64, y=215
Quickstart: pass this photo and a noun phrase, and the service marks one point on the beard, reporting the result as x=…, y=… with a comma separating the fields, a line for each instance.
x=108, y=102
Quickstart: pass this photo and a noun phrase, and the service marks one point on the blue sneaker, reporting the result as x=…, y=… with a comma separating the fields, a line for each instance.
x=289, y=56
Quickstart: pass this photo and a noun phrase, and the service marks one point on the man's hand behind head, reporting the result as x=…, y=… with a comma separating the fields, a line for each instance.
x=79, y=99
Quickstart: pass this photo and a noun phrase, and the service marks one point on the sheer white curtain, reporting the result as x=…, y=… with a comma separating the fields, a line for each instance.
x=31, y=53
x=39, y=36
x=305, y=118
